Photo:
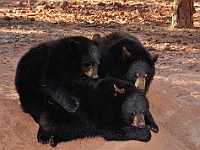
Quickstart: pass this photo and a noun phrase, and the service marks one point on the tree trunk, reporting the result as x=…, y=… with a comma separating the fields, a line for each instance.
x=29, y=4
x=182, y=16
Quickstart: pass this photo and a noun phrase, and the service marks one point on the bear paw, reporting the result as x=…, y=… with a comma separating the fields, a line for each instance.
x=43, y=139
x=53, y=141
x=144, y=135
x=72, y=105
x=42, y=136
x=154, y=128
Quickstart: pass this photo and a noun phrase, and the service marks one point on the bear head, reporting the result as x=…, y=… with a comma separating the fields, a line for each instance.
x=134, y=106
x=141, y=74
x=142, y=69
x=90, y=54
x=134, y=110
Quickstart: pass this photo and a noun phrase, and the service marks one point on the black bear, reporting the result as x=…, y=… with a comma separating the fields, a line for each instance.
x=47, y=72
x=111, y=108
x=124, y=57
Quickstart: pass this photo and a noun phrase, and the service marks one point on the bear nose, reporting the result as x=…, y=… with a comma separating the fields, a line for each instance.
x=95, y=77
x=141, y=125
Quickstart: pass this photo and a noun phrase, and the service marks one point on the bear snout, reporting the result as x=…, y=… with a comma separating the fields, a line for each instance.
x=139, y=121
x=92, y=72
x=95, y=76
x=141, y=125
x=140, y=83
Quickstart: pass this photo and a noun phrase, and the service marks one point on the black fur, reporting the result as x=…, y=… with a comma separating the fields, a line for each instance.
x=46, y=73
x=103, y=111
x=124, y=57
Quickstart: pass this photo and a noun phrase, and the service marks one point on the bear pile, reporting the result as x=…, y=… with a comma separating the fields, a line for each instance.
x=75, y=87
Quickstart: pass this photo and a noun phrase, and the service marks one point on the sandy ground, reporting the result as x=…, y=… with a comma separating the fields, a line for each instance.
x=174, y=94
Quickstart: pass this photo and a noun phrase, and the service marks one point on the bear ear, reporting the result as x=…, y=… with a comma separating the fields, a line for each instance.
x=154, y=58
x=96, y=37
x=126, y=53
x=74, y=45
x=118, y=90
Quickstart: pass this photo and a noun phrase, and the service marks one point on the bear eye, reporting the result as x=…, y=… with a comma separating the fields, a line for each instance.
x=92, y=64
x=136, y=75
x=145, y=75
x=132, y=114
x=86, y=64
x=143, y=111
x=96, y=64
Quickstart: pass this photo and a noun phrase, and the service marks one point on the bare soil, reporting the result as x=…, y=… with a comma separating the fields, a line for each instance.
x=174, y=95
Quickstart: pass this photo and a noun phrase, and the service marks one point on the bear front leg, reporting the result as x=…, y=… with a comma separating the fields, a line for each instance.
x=43, y=136
x=150, y=123
x=68, y=102
x=62, y=97
x=54, y=141
x=126, y=132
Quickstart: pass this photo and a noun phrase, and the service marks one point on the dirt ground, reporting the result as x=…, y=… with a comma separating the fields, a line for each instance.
x=174, y=95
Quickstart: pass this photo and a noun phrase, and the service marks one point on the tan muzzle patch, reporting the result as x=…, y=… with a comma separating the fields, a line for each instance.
x=140, y=83
x=139, y=121
x=92, y=72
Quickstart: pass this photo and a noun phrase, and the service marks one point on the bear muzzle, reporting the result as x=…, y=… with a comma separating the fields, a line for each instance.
x=140, y=83
x=92, y=72
x=139, y=121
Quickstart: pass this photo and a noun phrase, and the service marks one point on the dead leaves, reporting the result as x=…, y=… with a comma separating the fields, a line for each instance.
x=81, y=13
x=148, y=18
x=86, y=13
